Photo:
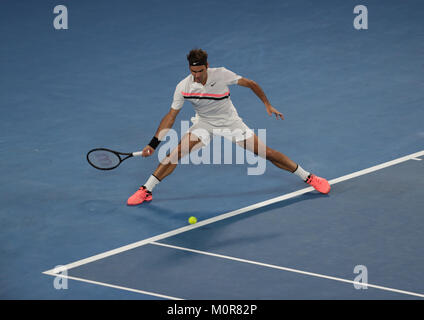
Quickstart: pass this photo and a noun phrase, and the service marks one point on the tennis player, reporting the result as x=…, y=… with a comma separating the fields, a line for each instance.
x=207, y=89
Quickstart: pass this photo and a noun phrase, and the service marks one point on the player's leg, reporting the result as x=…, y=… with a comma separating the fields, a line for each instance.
x=255, y=145
x=188, y=143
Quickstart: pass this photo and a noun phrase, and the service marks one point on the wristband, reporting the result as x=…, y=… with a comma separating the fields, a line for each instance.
x=154, y=142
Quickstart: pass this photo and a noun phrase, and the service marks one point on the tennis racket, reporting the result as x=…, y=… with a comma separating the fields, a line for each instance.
x=106, y=159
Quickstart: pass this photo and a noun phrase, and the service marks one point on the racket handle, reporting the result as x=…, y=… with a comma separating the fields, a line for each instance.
x=137, y=154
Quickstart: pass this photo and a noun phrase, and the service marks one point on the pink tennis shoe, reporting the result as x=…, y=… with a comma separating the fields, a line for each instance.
x=320, y=184
x=140, y=196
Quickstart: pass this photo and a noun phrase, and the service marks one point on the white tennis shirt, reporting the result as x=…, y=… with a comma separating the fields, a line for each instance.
x=211, y=101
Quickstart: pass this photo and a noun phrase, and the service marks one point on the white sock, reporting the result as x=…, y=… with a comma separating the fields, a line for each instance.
x=151, y=183
x=301, y=173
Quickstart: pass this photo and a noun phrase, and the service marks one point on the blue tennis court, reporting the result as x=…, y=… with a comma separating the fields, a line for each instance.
x=353, y=107
x=262, y=253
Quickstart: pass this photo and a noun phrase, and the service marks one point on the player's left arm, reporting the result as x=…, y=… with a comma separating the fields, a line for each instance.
x=261, y=95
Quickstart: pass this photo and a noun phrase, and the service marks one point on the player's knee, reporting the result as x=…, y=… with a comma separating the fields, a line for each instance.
x=165, y=161
x=170, y=159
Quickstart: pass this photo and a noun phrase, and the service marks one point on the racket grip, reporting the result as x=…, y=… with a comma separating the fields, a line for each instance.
x=137, y=154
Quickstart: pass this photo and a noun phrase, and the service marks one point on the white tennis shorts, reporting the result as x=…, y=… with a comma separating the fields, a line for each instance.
x=236, y=131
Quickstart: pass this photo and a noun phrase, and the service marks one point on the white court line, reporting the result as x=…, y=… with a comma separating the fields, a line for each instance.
x=288, y=269
x=231, y=214
x=112, y=286
x=417, y=159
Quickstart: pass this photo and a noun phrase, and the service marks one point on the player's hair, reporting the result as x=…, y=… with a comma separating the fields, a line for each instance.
x=197, y=57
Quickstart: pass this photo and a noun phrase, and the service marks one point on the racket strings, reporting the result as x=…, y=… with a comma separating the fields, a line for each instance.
x=104, y=159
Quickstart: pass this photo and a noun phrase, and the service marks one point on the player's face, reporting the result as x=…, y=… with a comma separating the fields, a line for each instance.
x=200, y=73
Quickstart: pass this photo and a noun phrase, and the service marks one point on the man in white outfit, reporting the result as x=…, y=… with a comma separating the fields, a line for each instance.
x=207, y=89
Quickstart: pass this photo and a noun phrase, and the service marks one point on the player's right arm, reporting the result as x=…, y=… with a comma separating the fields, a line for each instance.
x=168, y=120
x=166, y=123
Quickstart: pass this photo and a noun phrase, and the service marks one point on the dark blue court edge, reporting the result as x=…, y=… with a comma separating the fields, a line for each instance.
x=159, y=309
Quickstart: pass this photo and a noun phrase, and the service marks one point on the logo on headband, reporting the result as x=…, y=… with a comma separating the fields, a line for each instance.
x=198, y=63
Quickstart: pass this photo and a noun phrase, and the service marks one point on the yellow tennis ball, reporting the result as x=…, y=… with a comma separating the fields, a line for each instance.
x=192, y=220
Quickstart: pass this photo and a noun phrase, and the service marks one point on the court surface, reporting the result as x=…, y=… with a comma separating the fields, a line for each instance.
x=213, y=260
x=353, y=106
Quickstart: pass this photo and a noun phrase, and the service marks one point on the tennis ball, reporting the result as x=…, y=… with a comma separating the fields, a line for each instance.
x=192, y=220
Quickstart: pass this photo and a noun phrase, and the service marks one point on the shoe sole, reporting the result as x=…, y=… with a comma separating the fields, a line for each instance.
x=136, y=204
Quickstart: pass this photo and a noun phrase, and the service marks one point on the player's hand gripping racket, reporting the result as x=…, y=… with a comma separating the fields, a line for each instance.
x=106, y=159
